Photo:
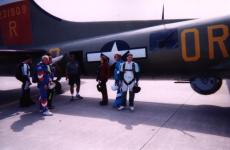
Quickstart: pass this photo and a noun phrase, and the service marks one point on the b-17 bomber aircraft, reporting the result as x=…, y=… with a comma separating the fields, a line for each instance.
x=196, y=51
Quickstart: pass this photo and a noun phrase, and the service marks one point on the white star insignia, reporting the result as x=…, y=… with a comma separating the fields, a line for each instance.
x=114, y=51
x=137, y=53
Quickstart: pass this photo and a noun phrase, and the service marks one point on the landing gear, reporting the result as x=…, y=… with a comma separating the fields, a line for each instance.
x=206, y=85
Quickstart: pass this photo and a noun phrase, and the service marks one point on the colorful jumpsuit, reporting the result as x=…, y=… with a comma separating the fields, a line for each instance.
x=117, y=78
x=117, y=75
x=43, y=81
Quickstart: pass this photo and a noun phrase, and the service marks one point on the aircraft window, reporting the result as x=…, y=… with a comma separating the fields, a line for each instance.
x=164, y=39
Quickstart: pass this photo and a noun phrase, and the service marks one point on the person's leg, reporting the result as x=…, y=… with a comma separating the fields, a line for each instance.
x=124, y=89
x=72, y=91
x=104, y=94
x=50, y=98
x=78, y=83
x=71, y=84
x=124, y=98
x=29, y=101
x=131, y=98
x=118, y=101
x=43, y=101
x=49, y=103
x=23, y=95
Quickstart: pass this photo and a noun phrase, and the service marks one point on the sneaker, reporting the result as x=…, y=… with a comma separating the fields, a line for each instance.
x=47, y=113
x=131, y=108
x=121, y=108
x=79, y=97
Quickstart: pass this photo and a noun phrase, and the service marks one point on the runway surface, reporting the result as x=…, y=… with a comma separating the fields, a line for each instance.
x=167, y=116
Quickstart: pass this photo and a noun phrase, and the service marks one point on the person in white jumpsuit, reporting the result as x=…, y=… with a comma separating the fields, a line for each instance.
x=130, y=76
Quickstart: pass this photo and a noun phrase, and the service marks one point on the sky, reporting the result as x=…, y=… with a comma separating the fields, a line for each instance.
x=118, y=10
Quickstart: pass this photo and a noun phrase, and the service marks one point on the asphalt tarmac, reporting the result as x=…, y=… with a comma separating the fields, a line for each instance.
x=167, y=116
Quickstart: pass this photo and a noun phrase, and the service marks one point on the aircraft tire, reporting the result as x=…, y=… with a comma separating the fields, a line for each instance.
x=206, y=85
x=58, y=88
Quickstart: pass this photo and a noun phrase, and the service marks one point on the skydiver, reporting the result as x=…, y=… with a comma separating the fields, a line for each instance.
x=43, y=82
x=24, y=67
x=117, y=78
x=103, y=74
x=130, y=77
x=73, y=73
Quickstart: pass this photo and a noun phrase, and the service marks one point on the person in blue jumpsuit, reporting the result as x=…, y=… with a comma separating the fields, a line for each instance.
x=117, y=78
x=43, y=82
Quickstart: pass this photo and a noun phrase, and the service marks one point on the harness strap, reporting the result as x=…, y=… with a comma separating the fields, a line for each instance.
x=123, y=72
x=128, y=83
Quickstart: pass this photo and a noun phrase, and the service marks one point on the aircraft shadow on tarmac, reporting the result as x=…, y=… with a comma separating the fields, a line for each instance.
x=185, y=118
x=205, y=118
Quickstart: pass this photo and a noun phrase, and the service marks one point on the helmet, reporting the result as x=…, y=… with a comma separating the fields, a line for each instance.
x=136, y=89
x=114, y=87
x=99, y=87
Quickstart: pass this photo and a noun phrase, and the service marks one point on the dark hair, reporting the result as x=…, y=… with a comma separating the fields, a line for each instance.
x=129, y=54
x=27, y=57
x=105, y=59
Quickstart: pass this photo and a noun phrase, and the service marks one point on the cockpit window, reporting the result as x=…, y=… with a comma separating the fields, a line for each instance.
x=164, y=39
